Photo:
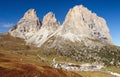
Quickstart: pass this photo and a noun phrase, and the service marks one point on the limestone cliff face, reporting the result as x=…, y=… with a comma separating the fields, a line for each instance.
x=27, y=25
x=31, y=13
x=50, y=22
x=49, y=26
x=33, y=30
x=82, y=22
x=81, y=27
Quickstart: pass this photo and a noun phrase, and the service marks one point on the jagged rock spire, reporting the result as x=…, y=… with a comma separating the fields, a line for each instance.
x=31, y=13
x=50, y=21
x=27, y=25
x=49, y=26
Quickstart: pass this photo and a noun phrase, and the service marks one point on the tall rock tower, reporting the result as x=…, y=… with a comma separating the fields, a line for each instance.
x=49, y=26
x=83, y=23
x=27, y=25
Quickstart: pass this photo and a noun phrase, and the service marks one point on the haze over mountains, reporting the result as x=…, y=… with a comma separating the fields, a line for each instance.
x=83, y=36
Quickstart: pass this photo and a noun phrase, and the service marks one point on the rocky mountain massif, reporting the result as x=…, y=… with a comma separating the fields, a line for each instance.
x=27, y=25
x=83, y=36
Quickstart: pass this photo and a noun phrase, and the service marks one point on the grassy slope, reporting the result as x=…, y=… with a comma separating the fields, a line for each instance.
x=95, y=74
x=19, y=60
x=113, y=69
x=19, y=69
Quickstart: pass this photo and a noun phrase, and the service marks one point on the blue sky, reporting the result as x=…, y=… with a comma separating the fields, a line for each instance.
x=12, y=10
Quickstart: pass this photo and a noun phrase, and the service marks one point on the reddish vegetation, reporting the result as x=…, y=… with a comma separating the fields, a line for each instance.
x=4, y=60
x=28, y=70
x=1, y=55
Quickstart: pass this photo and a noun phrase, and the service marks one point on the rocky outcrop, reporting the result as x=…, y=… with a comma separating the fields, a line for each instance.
x=27, y=25
x=49, y=26
x=50, y=22
x=82, y=23
x=80, y=28
x=32, y=30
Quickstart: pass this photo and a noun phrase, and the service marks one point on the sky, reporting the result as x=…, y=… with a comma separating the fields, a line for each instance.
x=12, y=10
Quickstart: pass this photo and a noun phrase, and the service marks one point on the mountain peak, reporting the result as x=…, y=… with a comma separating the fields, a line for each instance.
x=50, y=21
x=79, y=6
x=27, y=25
x=49, y=26
x=77, y=11
x=81, y=21
x=49, y=17
x=31, y=13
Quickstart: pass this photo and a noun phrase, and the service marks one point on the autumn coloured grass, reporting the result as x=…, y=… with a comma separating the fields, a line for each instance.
x=18, y=69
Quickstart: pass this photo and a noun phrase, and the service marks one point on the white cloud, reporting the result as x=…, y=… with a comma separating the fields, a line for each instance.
x=7, y=25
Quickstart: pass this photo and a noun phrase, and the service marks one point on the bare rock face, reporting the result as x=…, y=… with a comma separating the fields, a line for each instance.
x=50, y=22
x=81, y=27
x=80, y=24
x=27, y=25
x=83, y=23
x=49, y=26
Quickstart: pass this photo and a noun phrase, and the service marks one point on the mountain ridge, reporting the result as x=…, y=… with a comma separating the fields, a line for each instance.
x=79, y=21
